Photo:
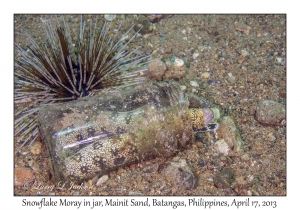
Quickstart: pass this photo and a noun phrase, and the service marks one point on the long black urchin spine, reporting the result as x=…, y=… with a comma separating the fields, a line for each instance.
x=64, y=70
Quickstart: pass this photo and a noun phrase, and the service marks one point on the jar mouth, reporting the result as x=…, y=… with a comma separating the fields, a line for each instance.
x=208, y=115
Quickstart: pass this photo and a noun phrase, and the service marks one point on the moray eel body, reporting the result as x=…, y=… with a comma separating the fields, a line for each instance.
x=95, y=135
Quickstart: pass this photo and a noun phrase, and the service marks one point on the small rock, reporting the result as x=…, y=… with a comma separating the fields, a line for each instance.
x=245, y=157
x=281, y=184
x=178, y=62
x=76, y=193
x=36, y=148
x=271, y=137
x=271, y=112
x=194, y=84
x=224, y=178
x=195, y=55
x=150, y=45
x=210, y=180
x=229, y=132
x=205, y=75
x=188, y=30
x=154, y=51
x=156, y=17
x=102, y=180
x=180, y=175
x=174, y=71
x=156, y=69
x=261, y=87
x=182, y=87
x=231, y=77
x=242, y=27
x=244, y=53
x=280, y=60
x=222, y=147
x=23, y=176
x=135, y=193
x=163, y=187
x=240, y=180
x=109, y=17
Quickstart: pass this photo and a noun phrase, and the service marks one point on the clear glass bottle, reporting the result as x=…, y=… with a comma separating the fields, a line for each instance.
x=97, y=134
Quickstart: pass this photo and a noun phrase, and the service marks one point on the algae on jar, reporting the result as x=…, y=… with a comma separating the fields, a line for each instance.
x=95, y=135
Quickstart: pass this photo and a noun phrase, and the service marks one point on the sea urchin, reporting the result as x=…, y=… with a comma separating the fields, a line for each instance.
x=62, y=70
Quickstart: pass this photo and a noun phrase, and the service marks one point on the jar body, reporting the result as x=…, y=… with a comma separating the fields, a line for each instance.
x=97, y=134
